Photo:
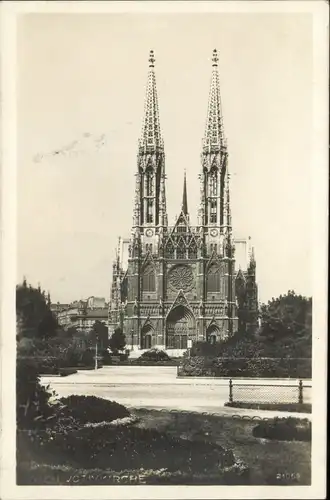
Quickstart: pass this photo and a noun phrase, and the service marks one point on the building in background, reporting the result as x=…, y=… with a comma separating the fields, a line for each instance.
x=174, y=283
x=81, y=314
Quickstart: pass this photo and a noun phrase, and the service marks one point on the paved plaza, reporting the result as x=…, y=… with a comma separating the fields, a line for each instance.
x=159, y=387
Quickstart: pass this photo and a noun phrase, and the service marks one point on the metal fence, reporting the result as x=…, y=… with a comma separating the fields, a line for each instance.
x=270, y=393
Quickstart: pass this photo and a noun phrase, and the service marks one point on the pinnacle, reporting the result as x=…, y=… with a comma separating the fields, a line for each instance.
x=184, y=196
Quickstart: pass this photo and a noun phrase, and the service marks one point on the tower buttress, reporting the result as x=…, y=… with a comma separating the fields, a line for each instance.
x=150, y=215
x=214, y=211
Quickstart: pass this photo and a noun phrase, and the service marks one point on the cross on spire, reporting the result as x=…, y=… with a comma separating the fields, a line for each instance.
x=151, y=134
x=214, y=134
x=215, y=58
x=151, y=59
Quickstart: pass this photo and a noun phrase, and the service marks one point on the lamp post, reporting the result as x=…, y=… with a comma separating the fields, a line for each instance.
x=132, y=333
x=189, y=345
x=96, y=339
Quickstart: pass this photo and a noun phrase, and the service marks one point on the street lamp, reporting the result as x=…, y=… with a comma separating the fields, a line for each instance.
x=96, y=339
x=189, y=345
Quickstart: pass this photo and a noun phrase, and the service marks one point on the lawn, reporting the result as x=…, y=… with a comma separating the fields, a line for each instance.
x=158, y=447
x=271, y=462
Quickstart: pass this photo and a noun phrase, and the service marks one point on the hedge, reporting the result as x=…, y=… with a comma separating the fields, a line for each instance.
x=64, y=372
x=200, y=366
x=91, y=409
x=284, y=429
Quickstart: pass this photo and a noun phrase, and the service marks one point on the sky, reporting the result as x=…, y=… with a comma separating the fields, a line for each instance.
x=81, y=82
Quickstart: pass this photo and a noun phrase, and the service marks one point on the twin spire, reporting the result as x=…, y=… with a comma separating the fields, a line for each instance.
x=151, y=139
x=214, y=133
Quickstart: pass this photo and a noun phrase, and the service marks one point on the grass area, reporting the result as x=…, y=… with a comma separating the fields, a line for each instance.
x=72, y=452
x=293, y=407
x=158, y=447
x=270, y=462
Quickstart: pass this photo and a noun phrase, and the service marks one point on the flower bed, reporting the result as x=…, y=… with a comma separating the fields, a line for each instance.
x=132, y=448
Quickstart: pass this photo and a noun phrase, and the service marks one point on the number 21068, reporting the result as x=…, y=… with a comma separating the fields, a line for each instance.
x=294, y=476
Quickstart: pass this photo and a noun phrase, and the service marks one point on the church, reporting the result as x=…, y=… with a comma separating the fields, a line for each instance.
x=176, y=284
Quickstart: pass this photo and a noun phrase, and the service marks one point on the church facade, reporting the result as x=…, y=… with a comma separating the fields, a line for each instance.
x=179, y=282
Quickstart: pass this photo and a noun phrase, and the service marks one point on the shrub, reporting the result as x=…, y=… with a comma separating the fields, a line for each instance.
x=32, y=399
x=88, y=357
x=284, y=429
x=117, y=341
x=154, y=355
x=86, y=409
x=64, y=372
x=198, y=366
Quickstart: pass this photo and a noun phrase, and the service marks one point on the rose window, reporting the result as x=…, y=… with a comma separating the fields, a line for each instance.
x=181, y=278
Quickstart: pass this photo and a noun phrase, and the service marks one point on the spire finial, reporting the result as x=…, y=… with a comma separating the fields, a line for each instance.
x=215, y=58
x=184, y=195
x=151, y=59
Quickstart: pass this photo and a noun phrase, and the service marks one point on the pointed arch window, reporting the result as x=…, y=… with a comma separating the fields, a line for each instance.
x=213, y=279
x=149, y=183
x=214, y=183
x=149, y=279
x=213, y=210
x=181, y=250
x=150, y=206
x=192, y=252
x=169, y=250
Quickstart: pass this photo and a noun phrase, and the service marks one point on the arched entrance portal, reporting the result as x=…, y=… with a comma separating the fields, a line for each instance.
x=180, y=325
x=146, y=337
x=212, y=334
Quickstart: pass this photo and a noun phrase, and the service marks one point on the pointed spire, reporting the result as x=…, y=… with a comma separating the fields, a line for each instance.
x=252, y=263
x=184, y=196
x=151, y=134
x=214, y=134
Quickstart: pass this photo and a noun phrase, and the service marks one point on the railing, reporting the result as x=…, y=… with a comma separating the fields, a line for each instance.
x=269, y=393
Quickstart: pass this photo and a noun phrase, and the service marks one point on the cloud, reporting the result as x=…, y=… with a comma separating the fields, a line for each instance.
x=86, y=144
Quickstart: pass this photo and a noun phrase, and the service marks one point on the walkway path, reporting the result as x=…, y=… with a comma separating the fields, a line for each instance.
x=159, y=388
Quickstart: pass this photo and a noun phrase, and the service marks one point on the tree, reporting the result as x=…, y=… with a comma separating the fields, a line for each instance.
x=286, y=325
x=117, y=341
x=99, y=333
x=34, y=317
